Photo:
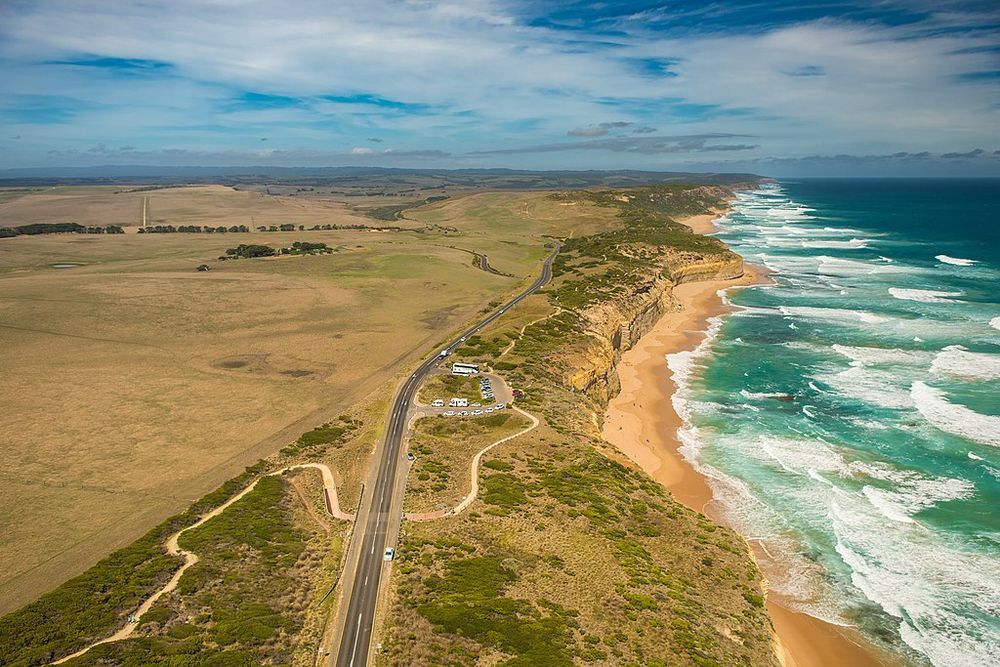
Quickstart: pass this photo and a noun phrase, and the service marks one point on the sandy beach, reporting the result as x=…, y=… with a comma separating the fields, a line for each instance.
x=642, y=424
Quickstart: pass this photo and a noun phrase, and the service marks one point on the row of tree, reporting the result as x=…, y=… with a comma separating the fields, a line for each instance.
x=58, y=228
x=192, y=229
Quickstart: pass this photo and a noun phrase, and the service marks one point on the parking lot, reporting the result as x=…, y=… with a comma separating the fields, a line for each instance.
x=494, y=396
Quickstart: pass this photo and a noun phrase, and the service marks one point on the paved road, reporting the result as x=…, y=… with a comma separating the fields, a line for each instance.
x=381, y=519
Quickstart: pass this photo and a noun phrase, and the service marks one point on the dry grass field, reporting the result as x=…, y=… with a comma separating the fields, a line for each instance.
x=133, y=384
x=190, y=205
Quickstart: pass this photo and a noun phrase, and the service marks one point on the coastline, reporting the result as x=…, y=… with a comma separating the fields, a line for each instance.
x=642, y=424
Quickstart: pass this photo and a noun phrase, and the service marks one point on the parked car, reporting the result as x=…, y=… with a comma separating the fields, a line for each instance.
x=410, y=456
x=501, y=406
x=476, y=413
x=488, y=410
x=437, y=403
x=449, y=413
x=463, y=413
x=389, y=554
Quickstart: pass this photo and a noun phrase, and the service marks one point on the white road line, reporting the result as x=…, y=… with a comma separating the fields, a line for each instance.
x=354, y=650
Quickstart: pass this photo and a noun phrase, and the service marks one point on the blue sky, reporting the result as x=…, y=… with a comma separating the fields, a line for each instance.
x=817, y=87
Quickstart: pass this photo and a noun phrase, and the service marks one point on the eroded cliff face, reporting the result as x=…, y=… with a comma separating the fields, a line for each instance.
x=615, y=326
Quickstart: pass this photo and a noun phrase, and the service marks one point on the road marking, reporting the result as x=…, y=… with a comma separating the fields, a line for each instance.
x=354, y=650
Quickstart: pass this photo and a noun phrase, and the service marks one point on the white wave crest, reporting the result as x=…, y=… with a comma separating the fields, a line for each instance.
x=923, y=295
x=810, y=312
x=870, y=356
x=836, y=266
x=956, y=261
x=953, y=418
x=758, y=395
x=995, y=323
x=853, y=244
x=955, y=360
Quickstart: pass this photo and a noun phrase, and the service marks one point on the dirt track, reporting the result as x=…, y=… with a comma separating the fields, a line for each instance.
x=474, y=471
x=173, y=548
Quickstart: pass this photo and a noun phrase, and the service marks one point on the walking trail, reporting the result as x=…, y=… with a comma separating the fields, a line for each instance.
x=439, y=514
x=512, y=343
x=173, y=548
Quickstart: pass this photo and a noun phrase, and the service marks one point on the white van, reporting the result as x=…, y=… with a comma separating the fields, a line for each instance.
x=437, y=403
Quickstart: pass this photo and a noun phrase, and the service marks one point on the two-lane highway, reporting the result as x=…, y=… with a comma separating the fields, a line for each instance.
x=381, y=519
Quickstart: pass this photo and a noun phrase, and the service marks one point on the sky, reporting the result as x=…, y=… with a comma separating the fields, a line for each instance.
x=807, y=88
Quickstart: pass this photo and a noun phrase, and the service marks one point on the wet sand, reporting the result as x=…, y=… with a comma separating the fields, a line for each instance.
x=642, y=424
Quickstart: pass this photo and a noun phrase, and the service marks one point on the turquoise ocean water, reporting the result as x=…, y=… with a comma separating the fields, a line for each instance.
x=849, y=416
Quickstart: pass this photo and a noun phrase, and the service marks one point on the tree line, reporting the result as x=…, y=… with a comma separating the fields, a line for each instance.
x=192, y=229
x=58, y=228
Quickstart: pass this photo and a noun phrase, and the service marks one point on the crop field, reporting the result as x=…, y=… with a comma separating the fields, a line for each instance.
x=134, y=384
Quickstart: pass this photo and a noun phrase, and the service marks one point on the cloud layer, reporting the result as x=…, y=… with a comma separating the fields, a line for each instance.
x=482, y=83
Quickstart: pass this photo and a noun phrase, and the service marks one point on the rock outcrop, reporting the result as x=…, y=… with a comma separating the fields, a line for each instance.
x=616, y=325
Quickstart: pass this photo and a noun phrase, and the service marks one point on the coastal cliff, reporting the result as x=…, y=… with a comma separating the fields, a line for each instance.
x=569, y=556
x=615, y=326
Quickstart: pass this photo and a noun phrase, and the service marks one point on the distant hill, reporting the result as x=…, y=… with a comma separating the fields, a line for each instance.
x=354, y=177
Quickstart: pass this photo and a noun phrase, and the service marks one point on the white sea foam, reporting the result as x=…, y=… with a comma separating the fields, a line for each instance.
x=810, y=312
x=809, y=413
x=995, y=323
x=954, y=418
x=957, y=261
x=758, y=395
x=974, y=457
x=853, y=244
x=849, y=267
x=874, y=386
x=929, y=586
x=871, y=356
x=923, y=295
x=955, y=360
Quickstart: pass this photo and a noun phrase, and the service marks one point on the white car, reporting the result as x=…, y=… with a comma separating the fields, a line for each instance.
x=463, y=413
x=488, y=411
x=448, y=413
x=501, y=406
x=477, y=405
x=437, y=403
x=476, y=413
x=389, y=554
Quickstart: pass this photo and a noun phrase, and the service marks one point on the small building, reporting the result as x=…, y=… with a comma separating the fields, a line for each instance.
x=458, y=403
x=464, y=369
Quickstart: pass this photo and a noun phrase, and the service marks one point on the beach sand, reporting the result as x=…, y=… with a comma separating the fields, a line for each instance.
x=642, y=424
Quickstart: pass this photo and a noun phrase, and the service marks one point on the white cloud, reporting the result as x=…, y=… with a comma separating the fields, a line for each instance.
x=492, y=81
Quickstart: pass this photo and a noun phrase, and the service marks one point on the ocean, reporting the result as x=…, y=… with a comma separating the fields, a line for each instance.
x=848, y=417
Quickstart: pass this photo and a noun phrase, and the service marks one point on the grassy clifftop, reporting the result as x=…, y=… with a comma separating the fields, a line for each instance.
x=569, y=557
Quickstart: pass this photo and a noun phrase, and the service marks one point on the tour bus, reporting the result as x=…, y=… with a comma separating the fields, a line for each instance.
x=458, y=403
x=464, y=369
